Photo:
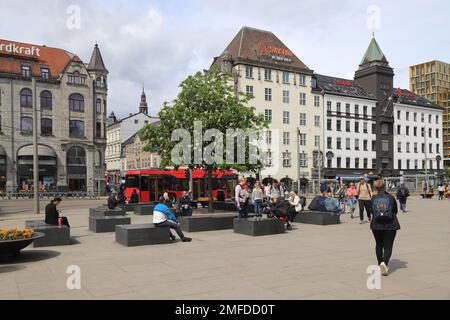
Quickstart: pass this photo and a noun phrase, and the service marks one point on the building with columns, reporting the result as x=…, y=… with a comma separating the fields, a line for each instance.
x=71, y=101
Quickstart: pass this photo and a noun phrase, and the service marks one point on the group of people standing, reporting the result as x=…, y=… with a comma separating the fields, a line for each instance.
x=247, y=194
x=359, y=196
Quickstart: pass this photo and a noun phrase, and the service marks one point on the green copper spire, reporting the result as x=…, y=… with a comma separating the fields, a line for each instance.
x=374, y=56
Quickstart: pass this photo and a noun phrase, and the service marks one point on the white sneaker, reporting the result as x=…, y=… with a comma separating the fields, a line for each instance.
x=384, y=269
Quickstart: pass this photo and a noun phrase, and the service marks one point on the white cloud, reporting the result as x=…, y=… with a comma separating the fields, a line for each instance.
x=160, y=42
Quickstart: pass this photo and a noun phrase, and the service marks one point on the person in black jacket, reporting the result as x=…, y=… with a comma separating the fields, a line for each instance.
x=52, y=214
x=112, y=201
x=134, y=198
x=384, y=229
x=402, y=196
x=184, y=205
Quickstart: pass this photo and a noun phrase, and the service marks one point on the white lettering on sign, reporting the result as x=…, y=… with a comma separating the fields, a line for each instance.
x=19, y=50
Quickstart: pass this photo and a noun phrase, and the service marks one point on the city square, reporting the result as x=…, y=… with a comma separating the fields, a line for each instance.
x=309, y=262
x=257, y=150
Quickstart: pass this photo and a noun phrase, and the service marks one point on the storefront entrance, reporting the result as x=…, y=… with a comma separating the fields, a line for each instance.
x=47, y=169
x=76, y=169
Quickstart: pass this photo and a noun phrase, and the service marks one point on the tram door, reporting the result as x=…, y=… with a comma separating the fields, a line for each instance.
x=156, y=189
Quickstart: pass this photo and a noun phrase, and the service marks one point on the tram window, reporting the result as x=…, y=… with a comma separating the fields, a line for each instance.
x=145, y=183
x=132, y=181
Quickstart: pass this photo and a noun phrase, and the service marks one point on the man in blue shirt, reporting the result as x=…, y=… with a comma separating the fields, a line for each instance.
x=163, y=217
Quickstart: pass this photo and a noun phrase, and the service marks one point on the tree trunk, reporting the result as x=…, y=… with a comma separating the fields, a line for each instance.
x=210, y=190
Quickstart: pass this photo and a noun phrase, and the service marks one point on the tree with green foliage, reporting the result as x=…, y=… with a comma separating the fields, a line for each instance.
x=208, y=98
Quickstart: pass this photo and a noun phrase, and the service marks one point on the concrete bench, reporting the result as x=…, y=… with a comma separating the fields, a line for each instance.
x=224, y=206
x=144, y=209
x=105, y=212
x=318, y=217
x=141, y=234
x=54, y=235
x=207, y=222
x=263, y=227
x=107, y=224
x=127, y=207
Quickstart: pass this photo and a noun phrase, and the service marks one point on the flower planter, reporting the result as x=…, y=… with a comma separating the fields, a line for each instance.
x=11, y=248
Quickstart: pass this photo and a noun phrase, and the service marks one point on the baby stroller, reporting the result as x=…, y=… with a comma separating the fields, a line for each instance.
x=280, y=211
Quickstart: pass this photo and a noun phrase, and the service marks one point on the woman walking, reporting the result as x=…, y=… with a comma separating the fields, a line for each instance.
x=364, y=193
x=351, y=200
x=384, y=224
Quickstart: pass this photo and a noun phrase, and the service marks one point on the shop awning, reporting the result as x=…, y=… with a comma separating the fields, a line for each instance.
x=43, y=151
x=2, y=151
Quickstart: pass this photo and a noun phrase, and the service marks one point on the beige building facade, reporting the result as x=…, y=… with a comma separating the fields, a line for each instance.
x=281, y=86
x=71, y=100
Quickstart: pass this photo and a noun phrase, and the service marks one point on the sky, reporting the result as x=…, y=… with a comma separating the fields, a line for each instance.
x=158, y=43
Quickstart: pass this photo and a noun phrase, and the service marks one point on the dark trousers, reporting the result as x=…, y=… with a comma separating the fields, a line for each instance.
x=243, y=212
x=365, y=204
x=172, y=225
x=441, y=195
x=384, y=242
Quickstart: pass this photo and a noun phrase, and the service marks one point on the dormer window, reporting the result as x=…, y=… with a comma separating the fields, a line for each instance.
x=26, y=71
x=45, y=73
x=76, y=78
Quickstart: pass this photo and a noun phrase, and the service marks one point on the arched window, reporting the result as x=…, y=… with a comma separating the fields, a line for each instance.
x=76, y=77
x=76, y=102
x=76, y=156
x=98, y=159
x=26, y=98
x=46, y=127
x=98, y=82
x=46, y=100
x=26, y=125
x=98, y=105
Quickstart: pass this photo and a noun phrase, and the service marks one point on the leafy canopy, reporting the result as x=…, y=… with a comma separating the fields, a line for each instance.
x=210, y=98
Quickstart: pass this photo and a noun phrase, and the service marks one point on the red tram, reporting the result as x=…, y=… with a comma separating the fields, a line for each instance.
x=152, y=183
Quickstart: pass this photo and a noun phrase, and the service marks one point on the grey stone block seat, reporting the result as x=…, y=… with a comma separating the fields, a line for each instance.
x=106, y=212
x=141, y=234
x=54, y=235
x=99, y=224
x=207, y=222
x=263, y=227
x=318, y=218
x=144, y=209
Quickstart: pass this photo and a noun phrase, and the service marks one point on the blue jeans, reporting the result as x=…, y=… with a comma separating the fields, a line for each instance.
x=402, y=204
x=258, y=206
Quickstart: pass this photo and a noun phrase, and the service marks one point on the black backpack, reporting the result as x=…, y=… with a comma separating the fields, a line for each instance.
x=382, y=208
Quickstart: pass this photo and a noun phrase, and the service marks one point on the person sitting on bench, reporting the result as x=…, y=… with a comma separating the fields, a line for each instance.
x=112, y=201
x=184, y=205
x=134, y=198
x=52, y=214
x=163, y=217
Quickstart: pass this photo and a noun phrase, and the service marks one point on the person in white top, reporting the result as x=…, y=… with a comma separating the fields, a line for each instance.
x=294, y=199
x=441, y=190
x=163, y=217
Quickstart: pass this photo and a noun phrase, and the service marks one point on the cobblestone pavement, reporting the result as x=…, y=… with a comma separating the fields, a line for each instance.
x=310, y=262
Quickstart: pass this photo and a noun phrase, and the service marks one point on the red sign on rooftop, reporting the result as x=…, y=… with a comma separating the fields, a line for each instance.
x=346, y=83
x=404, y=93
